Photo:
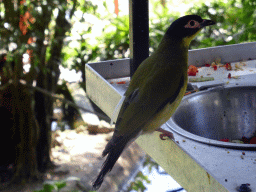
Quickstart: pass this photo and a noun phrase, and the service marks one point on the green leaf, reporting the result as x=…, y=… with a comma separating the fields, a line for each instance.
x=49, y=187
x=61, y=185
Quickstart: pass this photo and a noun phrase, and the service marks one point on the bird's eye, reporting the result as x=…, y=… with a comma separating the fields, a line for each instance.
x=192, y=24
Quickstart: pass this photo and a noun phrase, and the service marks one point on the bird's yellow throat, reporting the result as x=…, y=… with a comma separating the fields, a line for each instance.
x=187, y=40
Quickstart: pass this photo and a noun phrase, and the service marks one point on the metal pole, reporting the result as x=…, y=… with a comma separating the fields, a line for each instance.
x=139, y=32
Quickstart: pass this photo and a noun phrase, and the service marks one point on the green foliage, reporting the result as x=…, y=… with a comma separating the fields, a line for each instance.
x=150, y=163
x=49, y=187
x=159, y=24
x=235, y=22
x=115, y=39
x=87, y=7
x=138, y=184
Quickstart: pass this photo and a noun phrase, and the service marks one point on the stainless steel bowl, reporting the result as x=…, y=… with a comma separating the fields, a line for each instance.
x=224, y=112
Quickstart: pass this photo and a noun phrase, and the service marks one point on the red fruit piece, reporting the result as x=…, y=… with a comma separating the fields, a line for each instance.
x=228, y=66
x=229, y=76
x=245, y=140
x=192, y=70
x=253, y=140
x=224, y=140
x=121, y=82
x=207, y=65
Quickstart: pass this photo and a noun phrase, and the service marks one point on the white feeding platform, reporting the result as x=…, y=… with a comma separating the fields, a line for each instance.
x=223, y=109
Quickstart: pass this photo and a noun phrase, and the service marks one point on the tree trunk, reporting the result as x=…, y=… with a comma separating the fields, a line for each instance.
x=25, y=133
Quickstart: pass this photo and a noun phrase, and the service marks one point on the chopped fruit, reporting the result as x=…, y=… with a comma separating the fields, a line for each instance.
x=229, y=75
x=121, y=82
x=245, y=140
x=228, y=66
x=224, y=140
x=237, y=141
x=253, y=140
x=236, y=77
x=214, y=66
x=192, y=70
x=217, y=60
x=200, y=79
x=207, y=65
x=238, y=67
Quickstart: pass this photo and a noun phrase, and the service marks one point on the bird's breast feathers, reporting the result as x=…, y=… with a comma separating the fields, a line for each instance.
x=167, y=109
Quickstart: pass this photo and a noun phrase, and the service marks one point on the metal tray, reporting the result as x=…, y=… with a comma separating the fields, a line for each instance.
x=195, y=165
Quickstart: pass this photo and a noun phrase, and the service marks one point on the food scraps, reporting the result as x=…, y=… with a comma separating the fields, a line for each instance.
x=224, y=140
x=238, y=67
x=244, y=140
x=233, y=77
x=121, y=82
x=214, y=66
x=253, y=140
x=201, y=79
x=192, y=70
x=189, y=92
x=237, y=141
x=217, y=60
x=228, y=66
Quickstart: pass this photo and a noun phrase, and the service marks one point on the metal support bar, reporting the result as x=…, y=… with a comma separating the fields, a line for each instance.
x=139, y=33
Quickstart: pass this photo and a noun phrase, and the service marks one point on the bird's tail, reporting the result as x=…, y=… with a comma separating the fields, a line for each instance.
x=113, y=151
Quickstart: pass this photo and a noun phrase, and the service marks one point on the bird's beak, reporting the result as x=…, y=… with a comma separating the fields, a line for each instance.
x=206, y=23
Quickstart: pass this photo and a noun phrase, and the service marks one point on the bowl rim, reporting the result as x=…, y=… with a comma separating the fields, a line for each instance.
x=177, y=129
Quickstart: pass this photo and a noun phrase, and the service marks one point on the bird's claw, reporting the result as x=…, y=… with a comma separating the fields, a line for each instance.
x=165, y=133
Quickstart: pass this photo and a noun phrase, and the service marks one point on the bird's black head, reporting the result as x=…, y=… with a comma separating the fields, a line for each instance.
x=187, y=26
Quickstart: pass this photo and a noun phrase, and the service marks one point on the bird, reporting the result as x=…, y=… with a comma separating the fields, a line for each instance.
x=155, y=90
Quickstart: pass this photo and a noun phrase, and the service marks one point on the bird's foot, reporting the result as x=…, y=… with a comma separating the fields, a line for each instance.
x=165, y=134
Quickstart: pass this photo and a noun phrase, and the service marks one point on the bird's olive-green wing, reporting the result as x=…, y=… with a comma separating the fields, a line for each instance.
x=144, y=102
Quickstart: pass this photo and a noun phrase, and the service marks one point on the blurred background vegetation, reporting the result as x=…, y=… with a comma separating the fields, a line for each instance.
x=37, y=37
x=235, y=24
